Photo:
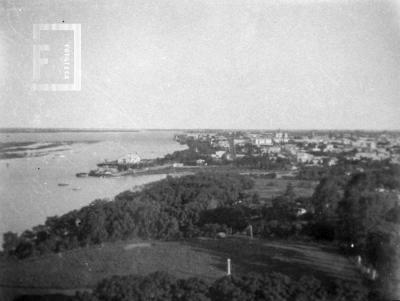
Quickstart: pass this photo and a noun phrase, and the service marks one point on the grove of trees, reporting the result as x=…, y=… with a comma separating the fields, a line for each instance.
x=160, y=286
x=168, y=209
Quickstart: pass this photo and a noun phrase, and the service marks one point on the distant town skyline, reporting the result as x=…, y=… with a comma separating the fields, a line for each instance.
x=61, y=129
x=289, y=65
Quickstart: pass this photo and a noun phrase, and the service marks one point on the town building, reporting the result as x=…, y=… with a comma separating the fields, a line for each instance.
x=304, y=157
x=266, y=141
x=129, y=159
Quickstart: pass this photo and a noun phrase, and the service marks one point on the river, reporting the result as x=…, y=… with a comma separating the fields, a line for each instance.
x=29, y=186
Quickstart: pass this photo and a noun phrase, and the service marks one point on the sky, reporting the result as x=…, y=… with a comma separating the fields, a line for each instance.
x=247, y=64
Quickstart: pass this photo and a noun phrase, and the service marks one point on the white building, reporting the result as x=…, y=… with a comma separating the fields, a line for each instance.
x=333, y=161
x=240, y=141
x=273, y=150
x=201, y=162
x=304, y=157
x=281, y=137
x=218, y=154
x=129, y=159
x=329, y=148
x=223, y=143
x=263, y=142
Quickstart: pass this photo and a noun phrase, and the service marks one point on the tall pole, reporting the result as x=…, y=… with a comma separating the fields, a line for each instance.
x=251, y=231
x=228, y=267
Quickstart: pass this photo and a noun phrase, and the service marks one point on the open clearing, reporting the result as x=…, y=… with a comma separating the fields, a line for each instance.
x=270, y=188
x=206, y=259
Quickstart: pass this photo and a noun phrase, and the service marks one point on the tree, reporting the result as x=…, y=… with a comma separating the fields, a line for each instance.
x=24, y=249
x=192, y=289
x=10, y=242
x=326, y=198
x=361, y=211
x=233, y=217
x=289, y=194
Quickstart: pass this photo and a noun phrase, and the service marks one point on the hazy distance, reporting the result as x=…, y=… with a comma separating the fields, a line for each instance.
x=210, y=64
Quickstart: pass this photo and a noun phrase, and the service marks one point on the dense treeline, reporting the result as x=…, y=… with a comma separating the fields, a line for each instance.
x=187, y=157
x=168, y=209
x=196, y=150
x=367, y=222
x=346, y=167
x=362, y=214
x=359, y=212
x=264, y=162
x=161, y=286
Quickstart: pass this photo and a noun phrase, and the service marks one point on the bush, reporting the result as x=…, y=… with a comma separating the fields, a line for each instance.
x=236, y=218
x=321, y=230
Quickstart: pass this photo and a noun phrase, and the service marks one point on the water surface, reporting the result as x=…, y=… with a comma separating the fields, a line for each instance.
x=29, y=186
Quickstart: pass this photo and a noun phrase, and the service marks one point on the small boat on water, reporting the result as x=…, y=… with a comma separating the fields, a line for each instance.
x=63, y=184
x=76, y=188
x=82, y=174
x=107, y=174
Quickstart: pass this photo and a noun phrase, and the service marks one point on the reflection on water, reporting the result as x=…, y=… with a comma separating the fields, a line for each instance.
x=29, y=187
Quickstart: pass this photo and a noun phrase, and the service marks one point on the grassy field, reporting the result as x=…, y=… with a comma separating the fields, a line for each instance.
x=203, y=258
x=269, y=188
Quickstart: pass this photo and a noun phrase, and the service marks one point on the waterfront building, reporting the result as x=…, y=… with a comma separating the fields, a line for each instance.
x=129, y=159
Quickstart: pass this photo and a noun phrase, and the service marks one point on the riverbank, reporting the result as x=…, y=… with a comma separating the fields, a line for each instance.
x=175, y=168
x=160, y=169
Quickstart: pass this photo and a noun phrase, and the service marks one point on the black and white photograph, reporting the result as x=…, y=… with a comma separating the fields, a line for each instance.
x=203, y=150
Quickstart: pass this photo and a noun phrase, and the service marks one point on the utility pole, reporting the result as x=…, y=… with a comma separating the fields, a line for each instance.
x=251, y=231
x=228, y=267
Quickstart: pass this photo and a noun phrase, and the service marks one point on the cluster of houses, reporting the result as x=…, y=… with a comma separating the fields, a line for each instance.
x=305, y=148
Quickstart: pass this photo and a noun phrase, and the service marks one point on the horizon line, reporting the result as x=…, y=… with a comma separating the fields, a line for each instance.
x=83, y=129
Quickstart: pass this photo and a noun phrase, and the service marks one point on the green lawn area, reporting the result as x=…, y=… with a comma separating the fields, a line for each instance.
x=84, y=267
x=269, y=188
x=203, y=258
